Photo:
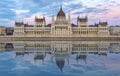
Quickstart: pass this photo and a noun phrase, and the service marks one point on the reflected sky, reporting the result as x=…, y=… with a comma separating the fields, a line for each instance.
x=60, y=59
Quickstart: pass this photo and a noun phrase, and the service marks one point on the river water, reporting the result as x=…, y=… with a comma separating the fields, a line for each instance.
x=60, y=58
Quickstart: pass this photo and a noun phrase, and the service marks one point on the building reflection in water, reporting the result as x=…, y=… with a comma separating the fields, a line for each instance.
x=39, y=56
x=61, y=51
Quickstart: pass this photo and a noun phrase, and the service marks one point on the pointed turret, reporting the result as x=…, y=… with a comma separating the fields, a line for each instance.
x=53, y=18
x=40, y=22
x=69, y=17
x=60, y=64
x=86, y=17
x=82, y=22
x=61, y=13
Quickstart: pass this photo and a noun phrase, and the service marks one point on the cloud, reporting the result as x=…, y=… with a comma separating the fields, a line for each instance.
x=19, y=67
x=6, y=22
x=18, y=12
x=30, y=19
x=95, y=9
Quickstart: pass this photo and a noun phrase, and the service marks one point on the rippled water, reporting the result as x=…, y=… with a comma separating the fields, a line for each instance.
x=60, y=59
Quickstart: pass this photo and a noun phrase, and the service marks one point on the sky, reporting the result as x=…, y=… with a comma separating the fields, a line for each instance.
x=26, y=10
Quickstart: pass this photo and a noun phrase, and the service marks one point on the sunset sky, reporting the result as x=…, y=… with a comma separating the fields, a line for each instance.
x=26, y=10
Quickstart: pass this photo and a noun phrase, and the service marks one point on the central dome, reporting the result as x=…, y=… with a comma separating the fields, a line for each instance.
x=61, y=13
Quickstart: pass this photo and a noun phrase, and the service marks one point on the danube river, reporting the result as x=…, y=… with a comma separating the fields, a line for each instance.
x=60, y=58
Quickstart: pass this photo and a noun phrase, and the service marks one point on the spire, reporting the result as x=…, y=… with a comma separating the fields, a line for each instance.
x=78, y=17
x=61, y=13
x=43, y=17
x=35, y=18
x=68, y=60
x=99, y=21
x=69, y=17
x=86, y=17
x=60, y=7
x=60, y=64
x=52, y=17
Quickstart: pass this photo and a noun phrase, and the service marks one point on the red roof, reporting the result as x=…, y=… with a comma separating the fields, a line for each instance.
x=49, y=25
x=82, y=19
x=39, y=19
x=61, y=13
x=18, y=23
x=26, y=25
x=73, y=25
x=103, y=24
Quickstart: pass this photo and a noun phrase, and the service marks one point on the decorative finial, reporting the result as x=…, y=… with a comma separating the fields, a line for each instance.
x=78, y=17
x=86, y=16
x=99, y=21
x=60, y=6
x=22, y=22
x=35, y=17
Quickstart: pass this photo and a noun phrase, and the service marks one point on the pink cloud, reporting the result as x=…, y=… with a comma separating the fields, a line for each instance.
x=112, y=15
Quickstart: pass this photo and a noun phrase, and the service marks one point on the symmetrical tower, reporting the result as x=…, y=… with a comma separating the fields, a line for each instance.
x=40, y=22
x=82, y=22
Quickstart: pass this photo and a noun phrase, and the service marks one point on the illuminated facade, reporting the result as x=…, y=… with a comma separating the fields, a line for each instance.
x=61, y=27
x=2, y=31
x=115, y=30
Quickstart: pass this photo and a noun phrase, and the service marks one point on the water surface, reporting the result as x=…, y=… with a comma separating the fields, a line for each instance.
x=60, y=58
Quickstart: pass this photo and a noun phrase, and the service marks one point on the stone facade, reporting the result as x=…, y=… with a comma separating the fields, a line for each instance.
x=115, y=30
x=9, y=30
x=61, y=27
x=2, y=31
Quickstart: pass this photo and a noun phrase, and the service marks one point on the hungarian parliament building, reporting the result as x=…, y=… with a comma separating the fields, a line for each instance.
x=61, y=27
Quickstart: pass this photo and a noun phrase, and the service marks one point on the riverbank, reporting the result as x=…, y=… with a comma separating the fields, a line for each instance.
x=11, y=38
